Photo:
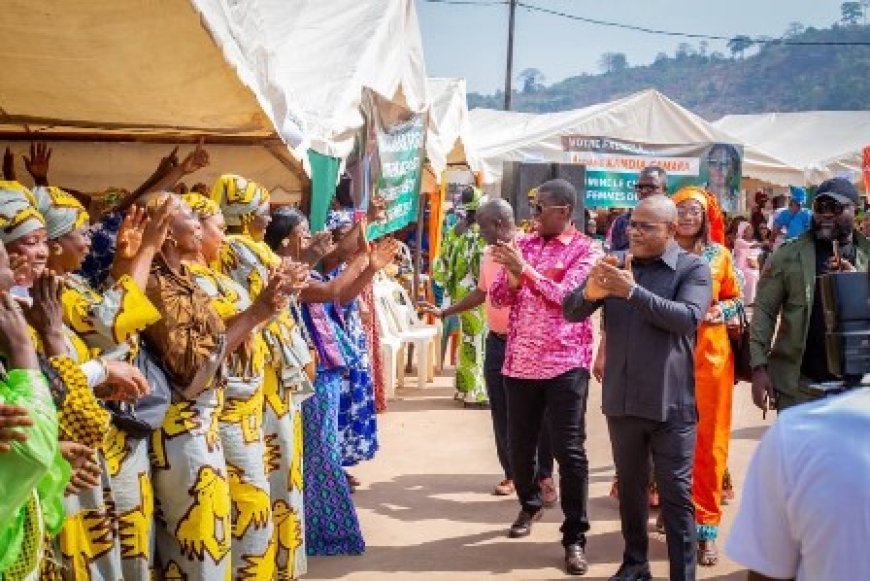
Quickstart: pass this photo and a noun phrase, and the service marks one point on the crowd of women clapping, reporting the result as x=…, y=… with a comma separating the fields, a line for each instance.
x=165, y=352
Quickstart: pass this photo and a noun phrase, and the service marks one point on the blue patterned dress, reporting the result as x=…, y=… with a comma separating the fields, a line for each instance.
x=331, y=524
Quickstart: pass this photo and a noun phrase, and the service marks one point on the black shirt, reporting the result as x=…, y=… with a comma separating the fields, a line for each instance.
x=814, y=365
x=650, y=363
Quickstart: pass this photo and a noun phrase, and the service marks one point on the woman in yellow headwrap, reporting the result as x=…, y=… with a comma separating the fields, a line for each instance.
x=714, y=367
x=248, y=260
x=108, y=323
x=241, y=420
x=89, y=543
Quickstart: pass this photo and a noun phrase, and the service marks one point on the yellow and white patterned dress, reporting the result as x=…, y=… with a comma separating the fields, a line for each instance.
x=285, y=387
x=241, y=431
x=108, y=323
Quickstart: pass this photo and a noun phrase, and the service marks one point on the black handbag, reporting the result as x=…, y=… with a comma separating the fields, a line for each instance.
x=738, y=334
x=144, y=416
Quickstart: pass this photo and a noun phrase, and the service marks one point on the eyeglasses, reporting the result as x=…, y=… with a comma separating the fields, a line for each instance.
x=539, y=209
x=645, y=187
x=718, y=163
x=690, y=212
x=828, y=205
x=642, y=226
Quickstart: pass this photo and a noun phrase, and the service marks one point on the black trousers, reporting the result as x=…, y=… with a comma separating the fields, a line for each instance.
x=561, y=401
x=671, y=445
x=495, y=389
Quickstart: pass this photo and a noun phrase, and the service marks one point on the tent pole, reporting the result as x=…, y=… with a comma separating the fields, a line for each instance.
x=418, y=246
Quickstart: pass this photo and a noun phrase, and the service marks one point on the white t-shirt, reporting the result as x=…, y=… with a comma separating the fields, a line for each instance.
x=805, y=509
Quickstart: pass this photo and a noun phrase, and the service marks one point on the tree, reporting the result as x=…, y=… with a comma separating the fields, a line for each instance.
x=685, y=50
x=702, y=48
x=793, y=29
x=532, y=79
x=739, y=44
x=612, y=62
x=851, y=13
x=661, y=57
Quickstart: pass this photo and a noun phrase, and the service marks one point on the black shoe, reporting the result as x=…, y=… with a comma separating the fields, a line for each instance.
x=575, y=560
x=523, y=525
x=633, y=573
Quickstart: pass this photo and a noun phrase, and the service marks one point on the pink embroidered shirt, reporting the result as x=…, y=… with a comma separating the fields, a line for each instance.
x=541, y=343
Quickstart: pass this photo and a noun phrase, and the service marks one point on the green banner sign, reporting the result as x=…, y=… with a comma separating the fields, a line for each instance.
x=397, y=173
x=613, y=165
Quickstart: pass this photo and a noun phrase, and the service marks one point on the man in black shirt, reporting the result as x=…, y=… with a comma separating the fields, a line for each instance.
x=652, y=309
x=783, y=370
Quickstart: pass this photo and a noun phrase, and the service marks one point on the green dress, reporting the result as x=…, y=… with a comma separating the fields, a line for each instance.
x=457, y=269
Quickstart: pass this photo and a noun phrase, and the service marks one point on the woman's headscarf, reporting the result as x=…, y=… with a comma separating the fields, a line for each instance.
x=238, y=198
x=715, y=217
x=203, y=207
x=741, y=229
x=18, y=214
x=62, y=212
x=339, y=218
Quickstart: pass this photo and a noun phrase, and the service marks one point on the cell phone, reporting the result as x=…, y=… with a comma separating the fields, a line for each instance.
x=21, y=294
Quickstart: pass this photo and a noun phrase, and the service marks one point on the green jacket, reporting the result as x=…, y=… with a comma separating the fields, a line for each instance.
x=785, y=295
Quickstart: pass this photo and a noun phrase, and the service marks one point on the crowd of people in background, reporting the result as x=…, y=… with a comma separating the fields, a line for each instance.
x=188, y=373
x=675, y=279
x=190, y=347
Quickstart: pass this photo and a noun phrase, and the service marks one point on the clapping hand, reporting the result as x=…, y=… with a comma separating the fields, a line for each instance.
x=124, y=382
x=377, y=209
x=131, y=232
x=508, y=255
x=196, y=159
x=383, y=253
x=320, y=245
x=607, y=280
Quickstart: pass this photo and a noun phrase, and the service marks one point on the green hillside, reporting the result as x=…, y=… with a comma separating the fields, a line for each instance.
x=774, y=77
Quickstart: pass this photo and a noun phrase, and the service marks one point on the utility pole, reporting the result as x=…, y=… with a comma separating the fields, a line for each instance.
x=510, y=57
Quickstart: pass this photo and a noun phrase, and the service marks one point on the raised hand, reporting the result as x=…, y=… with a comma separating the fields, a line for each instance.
x=38, y=162
x=9, y=166
x=157, y=228
x=508, y=255
x=46, y=313
x=85, y=470
x=131, y=232
x=320, y=245
x=196, y=159
x=276, y=295
x=168, y=162
x=616, y=282
x=377, y=209
x=383, y=253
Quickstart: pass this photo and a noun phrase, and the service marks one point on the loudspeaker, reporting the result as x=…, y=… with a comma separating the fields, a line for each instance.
x=519, y=177
x=846, y=304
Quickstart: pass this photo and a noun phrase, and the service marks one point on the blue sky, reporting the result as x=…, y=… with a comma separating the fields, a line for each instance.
x=471, y=41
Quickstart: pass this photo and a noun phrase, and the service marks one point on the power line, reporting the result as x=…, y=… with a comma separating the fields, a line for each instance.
x=550, y=11
x=643, y=29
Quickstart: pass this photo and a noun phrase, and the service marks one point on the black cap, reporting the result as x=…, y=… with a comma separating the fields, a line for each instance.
x=840, y=189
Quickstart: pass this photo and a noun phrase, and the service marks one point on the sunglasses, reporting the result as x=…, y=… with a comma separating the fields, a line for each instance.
x=645, y=187
x=643, y=226
x=539, y=209
x=828, y=205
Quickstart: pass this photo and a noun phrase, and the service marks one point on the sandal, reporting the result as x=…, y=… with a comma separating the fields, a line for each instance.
x=614, y=488
x=352, y=481
x=708, y=553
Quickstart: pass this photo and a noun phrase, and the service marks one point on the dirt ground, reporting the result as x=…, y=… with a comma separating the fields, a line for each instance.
x=427, y=511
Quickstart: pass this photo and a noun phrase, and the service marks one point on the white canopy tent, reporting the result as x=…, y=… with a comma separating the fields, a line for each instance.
x=822, y=144
x=647, y=116
x=311, y=59
x=449, y=136
x=113, y=86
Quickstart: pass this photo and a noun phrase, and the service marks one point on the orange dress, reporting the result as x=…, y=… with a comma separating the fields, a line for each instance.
x=714, y=387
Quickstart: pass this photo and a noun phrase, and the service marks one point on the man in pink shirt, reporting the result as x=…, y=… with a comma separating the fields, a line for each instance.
x=547, y=361
x=496, y=221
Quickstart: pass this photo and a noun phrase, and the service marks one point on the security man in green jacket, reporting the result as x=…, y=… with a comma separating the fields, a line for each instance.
x=783, y=369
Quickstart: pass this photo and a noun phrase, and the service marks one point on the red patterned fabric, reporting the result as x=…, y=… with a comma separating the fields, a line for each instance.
x=373, y=338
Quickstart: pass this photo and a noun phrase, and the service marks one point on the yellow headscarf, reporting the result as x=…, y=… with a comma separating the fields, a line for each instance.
x=201, y=206
x=62, y=212
x=238, y=198
x=18, y=214
x=691, y=193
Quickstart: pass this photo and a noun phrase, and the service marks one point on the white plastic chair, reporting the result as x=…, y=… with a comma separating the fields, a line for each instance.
x=407, y=326
x=391, y=351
